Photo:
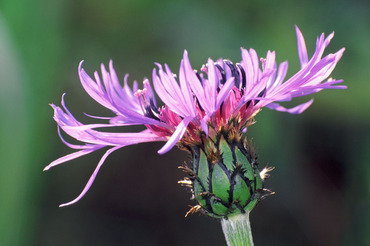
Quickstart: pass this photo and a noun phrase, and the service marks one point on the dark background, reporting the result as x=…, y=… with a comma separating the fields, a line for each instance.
x=321, y=157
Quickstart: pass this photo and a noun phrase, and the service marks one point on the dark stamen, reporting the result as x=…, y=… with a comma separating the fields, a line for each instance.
x=223, y=74
x=198, y=76
x=262, y=93
x=234, y=72
x=149, y=112
x=153, y=107
x=244, y=81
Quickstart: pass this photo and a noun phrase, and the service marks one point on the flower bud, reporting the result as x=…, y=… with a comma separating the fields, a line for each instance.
x=224, y=177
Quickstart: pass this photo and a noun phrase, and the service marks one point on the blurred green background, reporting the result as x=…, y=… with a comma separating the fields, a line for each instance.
x=321, y=157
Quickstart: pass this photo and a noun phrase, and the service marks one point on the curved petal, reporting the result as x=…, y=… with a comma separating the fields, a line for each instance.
x=302, y=51
x=176, y=136
x=296, y=110
x=228, y=86
x=92, y=178
x=72, y=146
x=73, y=156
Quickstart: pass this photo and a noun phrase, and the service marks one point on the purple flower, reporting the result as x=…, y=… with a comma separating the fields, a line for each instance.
x=194, y=102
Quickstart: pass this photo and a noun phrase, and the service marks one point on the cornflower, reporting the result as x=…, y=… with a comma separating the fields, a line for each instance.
x=206, y=113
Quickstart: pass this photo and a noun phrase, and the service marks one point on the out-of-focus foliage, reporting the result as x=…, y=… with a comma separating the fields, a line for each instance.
x=321, y=157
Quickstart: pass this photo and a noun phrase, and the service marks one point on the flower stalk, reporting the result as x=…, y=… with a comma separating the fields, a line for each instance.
x=237, y=230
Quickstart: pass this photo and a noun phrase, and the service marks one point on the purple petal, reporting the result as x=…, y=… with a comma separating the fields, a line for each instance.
x=282, y=71
x=92, y=178
x=186, y=91
x=296, y=110
x=176, y=136
x=248, y=67
x=203, y=124
x=194, y=82
x=166, y=96
x=302, y=51
x=85, y=134
x=210, y=88
x=224, y=92
x=92, y=88
x=110, y=98
x=73, y=146
x=73, y=156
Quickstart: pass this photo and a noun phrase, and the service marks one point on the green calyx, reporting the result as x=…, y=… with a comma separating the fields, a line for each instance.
x=224, y=177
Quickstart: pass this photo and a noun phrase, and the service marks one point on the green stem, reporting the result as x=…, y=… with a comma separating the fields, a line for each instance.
x=237, y=230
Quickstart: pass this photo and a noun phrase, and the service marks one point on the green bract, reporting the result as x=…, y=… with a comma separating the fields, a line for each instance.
x=224, y=176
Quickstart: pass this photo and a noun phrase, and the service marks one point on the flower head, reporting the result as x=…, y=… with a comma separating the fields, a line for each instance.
x=217, y=102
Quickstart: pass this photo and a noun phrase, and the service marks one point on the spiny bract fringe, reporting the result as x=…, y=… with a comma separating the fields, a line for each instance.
x=223, y=175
